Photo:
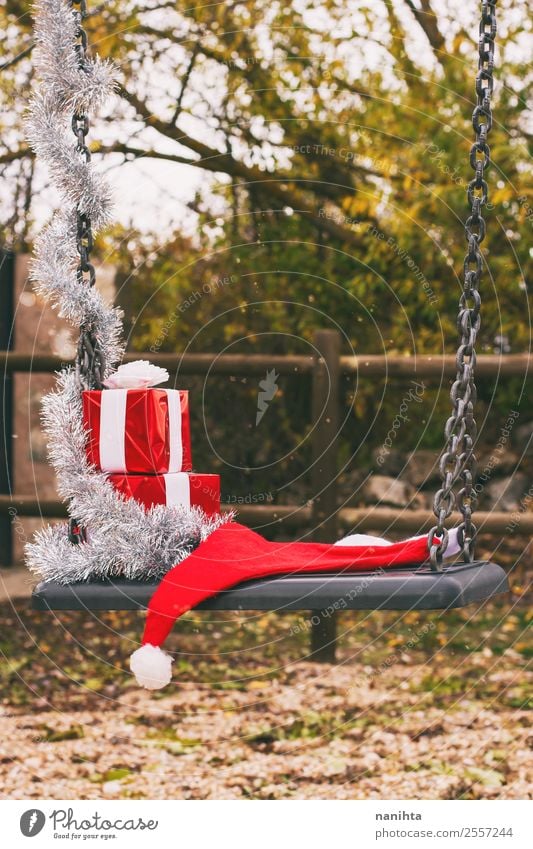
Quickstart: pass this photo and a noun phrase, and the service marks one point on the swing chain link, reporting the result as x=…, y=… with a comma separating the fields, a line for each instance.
x=89, y=358
x=458, y=461
x=90, y=363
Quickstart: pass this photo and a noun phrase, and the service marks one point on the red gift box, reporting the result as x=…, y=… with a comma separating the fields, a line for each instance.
x=181, y=488
x=138, y=430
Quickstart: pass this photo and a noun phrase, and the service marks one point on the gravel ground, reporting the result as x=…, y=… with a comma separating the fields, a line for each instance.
x=420, y=706
x=202, y=744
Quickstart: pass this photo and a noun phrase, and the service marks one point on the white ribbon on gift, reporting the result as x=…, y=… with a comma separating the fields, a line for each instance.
x=113, y=427
x=178, y=490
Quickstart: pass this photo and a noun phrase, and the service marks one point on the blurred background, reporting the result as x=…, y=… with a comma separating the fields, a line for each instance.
x=278, y=168
x=281, y=168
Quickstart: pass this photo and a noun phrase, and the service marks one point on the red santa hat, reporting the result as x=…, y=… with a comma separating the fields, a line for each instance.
x=233, y=554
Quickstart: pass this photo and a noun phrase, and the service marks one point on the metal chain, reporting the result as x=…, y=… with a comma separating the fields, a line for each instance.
x=90, y=363
x=458, y=461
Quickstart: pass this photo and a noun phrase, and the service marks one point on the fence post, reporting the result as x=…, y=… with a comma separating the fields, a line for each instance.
x=7, y=295
x=325, y=414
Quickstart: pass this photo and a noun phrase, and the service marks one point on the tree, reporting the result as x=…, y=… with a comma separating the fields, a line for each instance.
x=335, y=139
x=363, y=169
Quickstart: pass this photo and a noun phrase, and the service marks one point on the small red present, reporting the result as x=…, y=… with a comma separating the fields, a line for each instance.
x=138, y=430
x=188, y=490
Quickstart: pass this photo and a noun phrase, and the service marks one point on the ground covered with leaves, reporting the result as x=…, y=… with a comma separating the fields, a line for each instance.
x=420, y=705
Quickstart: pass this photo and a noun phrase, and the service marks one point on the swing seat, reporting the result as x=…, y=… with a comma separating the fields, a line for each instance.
x=418, y=588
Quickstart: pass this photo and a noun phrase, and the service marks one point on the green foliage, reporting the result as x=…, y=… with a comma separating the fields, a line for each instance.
x=336, y=141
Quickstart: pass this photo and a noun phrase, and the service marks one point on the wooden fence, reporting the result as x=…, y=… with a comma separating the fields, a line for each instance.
x=327, y=368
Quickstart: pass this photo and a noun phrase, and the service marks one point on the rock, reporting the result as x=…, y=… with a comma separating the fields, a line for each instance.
x=389, y=461
x=349, y=486
x=423, y=468
x=498, y=462
x=423, y=501
x=110, y=788
x=380, y=489
x=505, y=494
x=523, y=439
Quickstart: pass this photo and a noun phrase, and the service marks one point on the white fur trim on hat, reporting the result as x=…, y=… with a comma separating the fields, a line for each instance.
x=152, y=667
x=362, y=539
x=452, y=549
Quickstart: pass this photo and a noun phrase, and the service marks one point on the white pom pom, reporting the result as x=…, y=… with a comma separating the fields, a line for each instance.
x=151, y=666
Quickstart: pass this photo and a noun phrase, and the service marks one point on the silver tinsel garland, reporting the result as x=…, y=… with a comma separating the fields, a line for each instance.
x=124, y=539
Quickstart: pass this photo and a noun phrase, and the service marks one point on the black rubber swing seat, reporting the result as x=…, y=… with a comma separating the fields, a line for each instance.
x=418, y=588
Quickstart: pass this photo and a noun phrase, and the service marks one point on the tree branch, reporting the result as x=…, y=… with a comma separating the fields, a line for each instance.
x=427, y=20
x=13, y=155
x=280, y=189
x=185, y=82
x=9, y=63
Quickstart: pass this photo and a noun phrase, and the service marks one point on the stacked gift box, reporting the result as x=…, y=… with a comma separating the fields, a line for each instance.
x=141, y=438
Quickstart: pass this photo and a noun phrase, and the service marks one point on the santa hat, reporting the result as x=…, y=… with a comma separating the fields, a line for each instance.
x=233, y=554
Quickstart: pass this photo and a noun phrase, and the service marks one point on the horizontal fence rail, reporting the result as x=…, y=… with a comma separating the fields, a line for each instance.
x=365, y=365
x=320, y=517
x=295, y=517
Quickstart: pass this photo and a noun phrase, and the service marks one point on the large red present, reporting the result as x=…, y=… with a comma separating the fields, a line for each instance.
x=188, y=490
x=138, y=430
